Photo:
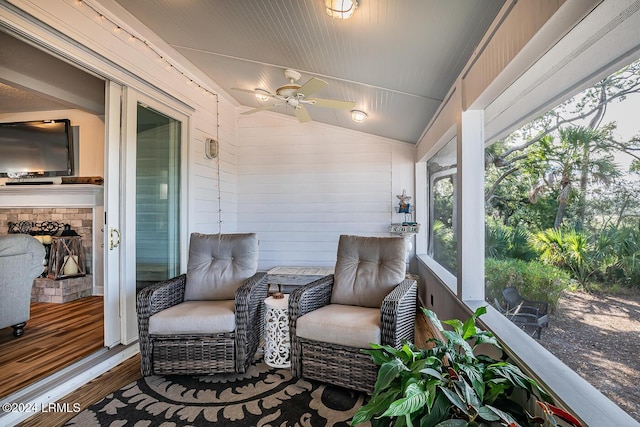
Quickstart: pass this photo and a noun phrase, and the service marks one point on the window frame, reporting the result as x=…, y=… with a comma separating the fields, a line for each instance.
x=433, y=179
x=579, y=58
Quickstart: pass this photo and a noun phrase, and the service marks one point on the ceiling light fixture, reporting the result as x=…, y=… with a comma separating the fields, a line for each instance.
x=261, y=94
x=358, y=116
x=342, y=9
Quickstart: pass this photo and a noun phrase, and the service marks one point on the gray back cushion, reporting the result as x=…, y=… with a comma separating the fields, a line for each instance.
x=367, y=269
x=17, y=244
x=218, y=264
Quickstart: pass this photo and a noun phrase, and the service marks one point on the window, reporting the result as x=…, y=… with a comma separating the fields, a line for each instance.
x=441, y=175
x=562, y=209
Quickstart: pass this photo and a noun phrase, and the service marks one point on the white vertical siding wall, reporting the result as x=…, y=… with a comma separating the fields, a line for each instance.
x=214, y=187
x=300, y=186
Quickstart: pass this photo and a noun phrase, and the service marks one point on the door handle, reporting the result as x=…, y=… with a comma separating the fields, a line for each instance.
x=114, y=242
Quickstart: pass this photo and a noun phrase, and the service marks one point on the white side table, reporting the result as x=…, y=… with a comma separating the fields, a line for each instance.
x=277, y=347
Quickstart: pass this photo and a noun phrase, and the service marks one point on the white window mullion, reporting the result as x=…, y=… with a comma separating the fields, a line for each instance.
x=470, y=203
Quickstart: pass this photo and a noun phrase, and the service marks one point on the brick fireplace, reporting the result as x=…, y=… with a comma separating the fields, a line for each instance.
x=75, y=205
x=81, y=221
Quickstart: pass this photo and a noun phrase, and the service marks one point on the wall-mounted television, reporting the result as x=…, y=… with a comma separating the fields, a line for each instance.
x=36, y=149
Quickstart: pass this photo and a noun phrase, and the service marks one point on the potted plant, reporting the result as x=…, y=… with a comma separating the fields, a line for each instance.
x=449, y=385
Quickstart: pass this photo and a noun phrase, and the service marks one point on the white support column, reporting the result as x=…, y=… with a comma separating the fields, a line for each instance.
x=470, y=204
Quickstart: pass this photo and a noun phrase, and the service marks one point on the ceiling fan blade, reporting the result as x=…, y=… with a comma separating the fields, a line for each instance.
x=243, y=90
x=312, y=86
x=302, y=114
x=266, y=107
x=254, y=92
x=332, y=103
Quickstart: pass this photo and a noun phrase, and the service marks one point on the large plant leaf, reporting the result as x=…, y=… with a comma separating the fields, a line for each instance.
x=470, y=396
x=384, y=352
x=513, y=374
x=455, y=400
x=456, y=324
x=432, y=373
x=377, y=405
x=433, y=318
x=380, y=354
x=487, y=414
x=409, y=354
x=486, y=337
x=473, y=372
x=456, y=340
x=504, y=416
x=387, y=373
x=469, y=329
x=431, y=386
x=493, y=390
x=440, y=410
x=452, y=423
x=428, y=362
x=415, y=400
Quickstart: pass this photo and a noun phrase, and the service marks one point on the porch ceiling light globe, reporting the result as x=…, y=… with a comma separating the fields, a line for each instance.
x=358, y=116
x=342, y=9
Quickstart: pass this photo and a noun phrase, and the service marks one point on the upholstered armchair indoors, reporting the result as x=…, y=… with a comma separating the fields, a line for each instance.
x=367, y=300
x=21, y=261
x=209, y=320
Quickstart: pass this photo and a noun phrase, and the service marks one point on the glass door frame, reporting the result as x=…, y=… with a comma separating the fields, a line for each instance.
x=131, y=99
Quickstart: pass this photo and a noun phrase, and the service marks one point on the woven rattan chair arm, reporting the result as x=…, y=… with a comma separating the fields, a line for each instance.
x=252, y=288
x=398, y=314
x=161, y=296
x=248, y=301
x=301, y=301
x=310, y=297
x=149, y=301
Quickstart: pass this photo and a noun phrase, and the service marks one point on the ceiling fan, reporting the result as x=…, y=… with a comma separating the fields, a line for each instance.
x=297, y=97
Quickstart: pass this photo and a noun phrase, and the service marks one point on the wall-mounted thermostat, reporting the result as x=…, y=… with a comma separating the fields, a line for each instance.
x=211, y=148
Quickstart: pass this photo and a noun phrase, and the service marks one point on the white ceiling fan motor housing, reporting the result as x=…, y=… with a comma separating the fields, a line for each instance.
x=292, y=75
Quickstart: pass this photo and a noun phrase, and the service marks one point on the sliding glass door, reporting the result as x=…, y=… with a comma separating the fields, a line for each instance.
x=153, y=185
x=157, y=196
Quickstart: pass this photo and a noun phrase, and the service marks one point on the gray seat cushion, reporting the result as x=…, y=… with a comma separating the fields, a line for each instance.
x=367, y=269
x=194, y=317
x=219, y=264
x=341, y=324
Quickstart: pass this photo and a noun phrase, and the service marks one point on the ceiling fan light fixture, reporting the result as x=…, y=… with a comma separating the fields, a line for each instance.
x=342, y=9
x=261, y=94
x=358, y=116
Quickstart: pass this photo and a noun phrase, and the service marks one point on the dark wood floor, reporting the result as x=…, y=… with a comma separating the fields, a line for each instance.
x=90, y=393
x=56, y=336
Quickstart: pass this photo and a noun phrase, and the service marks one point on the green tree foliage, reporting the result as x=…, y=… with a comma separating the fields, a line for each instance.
x=508, y=242
x=568, y=249
x=557, y=178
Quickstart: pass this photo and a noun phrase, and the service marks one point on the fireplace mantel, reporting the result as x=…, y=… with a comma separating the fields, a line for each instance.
x=54, y=195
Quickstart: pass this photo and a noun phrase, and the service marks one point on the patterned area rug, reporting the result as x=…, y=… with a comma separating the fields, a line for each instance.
x=263, y=396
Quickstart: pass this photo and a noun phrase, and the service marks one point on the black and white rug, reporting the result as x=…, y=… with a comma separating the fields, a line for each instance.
x=263, y=396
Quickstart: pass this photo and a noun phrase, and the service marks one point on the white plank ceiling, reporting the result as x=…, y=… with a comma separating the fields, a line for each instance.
x=396, y=59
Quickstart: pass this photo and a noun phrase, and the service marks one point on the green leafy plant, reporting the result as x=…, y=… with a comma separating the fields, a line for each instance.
x=449, y=385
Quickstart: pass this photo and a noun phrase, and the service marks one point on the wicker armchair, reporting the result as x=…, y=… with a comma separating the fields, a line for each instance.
x=209, y=320
x=367, y=300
